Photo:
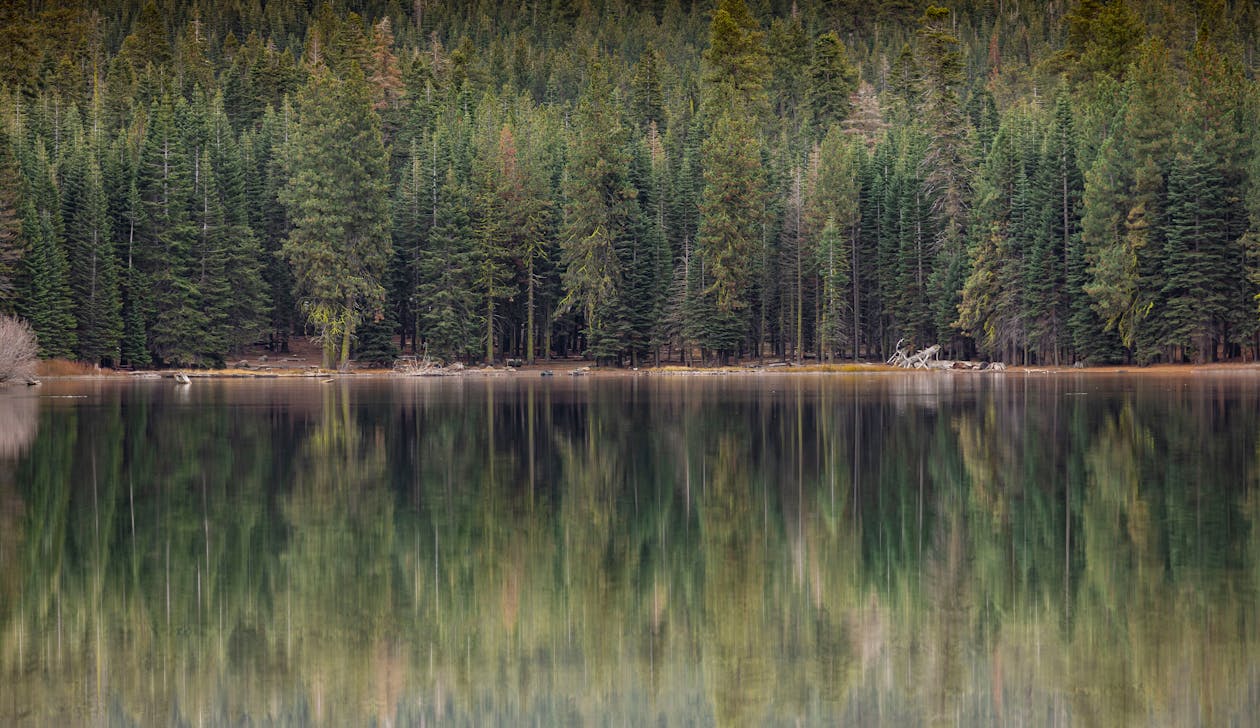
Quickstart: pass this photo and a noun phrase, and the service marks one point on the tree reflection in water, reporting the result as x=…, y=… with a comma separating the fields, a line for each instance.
x=843, y=549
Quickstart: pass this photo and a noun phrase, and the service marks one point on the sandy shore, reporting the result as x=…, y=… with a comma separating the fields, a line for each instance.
x=303, y=360
x=576, y=367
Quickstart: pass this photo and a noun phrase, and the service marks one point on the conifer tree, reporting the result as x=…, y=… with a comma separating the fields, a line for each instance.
x=337, y=196
x=647, y=92
x=833, y=199
x=734, y=186
x=497, y=190
x=947, y=163
x=165, y=238
x=832, y=80
x=93, y=270
x=46, y=298
x=1124, y=200
x=833, y=269
x=600, y=210
x=12, y=242
x=242, y=304
x=446, y=309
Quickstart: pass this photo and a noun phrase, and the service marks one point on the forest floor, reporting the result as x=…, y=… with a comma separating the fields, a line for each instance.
x=303, y=359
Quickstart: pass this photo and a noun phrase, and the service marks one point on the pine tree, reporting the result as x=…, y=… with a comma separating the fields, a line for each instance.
x=992, y=308
x=135, y=289
x=1216, y=126
x=734, y=186
x=338, y=200
x=243, y=306
x=497, y=184
x=446, y=309
x=788, y=52
x=12, y=242
x=1122, y=222
x=46, y=299
x=948, y=159
x=413, y=221
x=165, y=237
x=93, y=268
x=647, y=94
x=833, y=269
x=833, y=200
x=209, y=268
x=832, y=80
x=263, y=157
x=600, y=209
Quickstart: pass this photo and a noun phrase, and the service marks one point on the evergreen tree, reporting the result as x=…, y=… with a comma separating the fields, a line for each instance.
x=338, y=200
x=12, y=242
x=832, y=80
x=165, y=238
x=93, y=269
x=498, y=191
x=833, y=200
x=598, y=217
x=243, y=306
x=788, y=52
x=947, y=163
x=446, y=308
x=46, y=298
x=413, y=213
x=263, y=157
x=734, y=186
x=833, y=269
x=647, y=91
x=1124, y=199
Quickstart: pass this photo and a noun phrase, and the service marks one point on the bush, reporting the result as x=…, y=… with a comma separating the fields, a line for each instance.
x=18, y=350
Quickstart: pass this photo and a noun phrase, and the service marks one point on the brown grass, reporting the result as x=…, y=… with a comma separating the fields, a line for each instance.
x=67, y=368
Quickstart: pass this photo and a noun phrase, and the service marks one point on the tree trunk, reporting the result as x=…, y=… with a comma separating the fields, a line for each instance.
x=529, y=314
x=489, y=329
x=349, y=331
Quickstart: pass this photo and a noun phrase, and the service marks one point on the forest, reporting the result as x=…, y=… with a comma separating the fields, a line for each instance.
x=1031, y=181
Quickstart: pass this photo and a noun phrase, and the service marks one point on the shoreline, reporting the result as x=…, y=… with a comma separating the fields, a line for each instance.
x=578, y=368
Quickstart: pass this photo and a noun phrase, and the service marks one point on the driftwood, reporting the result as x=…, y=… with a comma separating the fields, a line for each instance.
x=928, y=359
x=426, y=367
x=924, y=359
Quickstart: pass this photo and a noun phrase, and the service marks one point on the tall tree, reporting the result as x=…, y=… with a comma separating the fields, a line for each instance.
x=93, y=269
x=46, y=299
x=174, y=319
x=947, y=163
x=338, y=200
x=598, y=218
x=1124, y=201
x=731, y=205
x=832, y=81
x=12, y=243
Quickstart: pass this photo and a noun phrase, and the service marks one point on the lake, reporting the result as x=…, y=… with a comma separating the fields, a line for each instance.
x=1069, y=549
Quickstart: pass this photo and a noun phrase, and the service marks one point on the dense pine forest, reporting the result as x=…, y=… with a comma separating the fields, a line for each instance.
x=1039, y=182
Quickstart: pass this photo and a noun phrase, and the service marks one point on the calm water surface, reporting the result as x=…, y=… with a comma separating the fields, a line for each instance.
x=844, y=549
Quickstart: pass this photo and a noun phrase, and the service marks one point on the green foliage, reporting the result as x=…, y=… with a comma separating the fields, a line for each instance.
x=600, y=220
x=338, y=201
x=630, y=188
x=93, y=268
x=832, y=80
x=12, y=243
x=45, y=301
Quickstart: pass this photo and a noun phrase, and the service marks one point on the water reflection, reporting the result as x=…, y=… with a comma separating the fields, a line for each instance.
x=855, y=549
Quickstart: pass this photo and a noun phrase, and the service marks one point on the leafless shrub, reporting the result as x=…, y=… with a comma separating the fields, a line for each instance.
x=18, y=350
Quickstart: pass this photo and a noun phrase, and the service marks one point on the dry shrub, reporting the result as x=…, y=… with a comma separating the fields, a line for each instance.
x=64, y=368
x=18, y=350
